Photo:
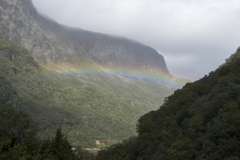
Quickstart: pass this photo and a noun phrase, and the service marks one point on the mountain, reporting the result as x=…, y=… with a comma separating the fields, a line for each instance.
x=94, y=86
x=50, y=42
x=199, y=121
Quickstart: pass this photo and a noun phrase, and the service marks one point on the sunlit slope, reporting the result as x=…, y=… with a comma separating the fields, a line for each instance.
x=85, y=105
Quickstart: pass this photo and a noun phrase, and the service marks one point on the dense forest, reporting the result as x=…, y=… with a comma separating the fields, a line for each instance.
x=200, y=121
x=18, y=140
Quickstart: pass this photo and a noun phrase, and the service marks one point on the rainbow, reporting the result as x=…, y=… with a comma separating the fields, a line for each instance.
x=66, y=69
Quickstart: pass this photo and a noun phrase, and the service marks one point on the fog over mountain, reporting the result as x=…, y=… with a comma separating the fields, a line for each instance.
x=194, y=37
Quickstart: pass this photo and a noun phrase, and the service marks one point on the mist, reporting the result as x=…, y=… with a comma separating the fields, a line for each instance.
x=195, y=37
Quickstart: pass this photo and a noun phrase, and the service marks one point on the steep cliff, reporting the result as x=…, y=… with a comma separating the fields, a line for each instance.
x=49, y=41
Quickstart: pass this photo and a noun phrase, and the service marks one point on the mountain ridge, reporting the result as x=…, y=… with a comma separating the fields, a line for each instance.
x=50, y=42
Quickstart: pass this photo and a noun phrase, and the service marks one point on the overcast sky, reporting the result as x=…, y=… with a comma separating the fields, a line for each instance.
x=194, y=36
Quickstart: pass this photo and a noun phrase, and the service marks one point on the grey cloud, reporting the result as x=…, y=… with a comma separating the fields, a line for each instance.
x=195, y=37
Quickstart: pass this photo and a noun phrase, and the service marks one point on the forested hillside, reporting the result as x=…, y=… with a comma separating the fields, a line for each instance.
x=92, y=85
x=18, y=140
x=200, y=121
x=87, y=107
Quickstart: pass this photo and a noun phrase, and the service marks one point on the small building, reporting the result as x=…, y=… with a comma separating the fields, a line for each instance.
x=97, y=142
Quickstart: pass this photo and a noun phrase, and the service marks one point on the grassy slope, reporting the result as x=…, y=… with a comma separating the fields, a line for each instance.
x=87, y=107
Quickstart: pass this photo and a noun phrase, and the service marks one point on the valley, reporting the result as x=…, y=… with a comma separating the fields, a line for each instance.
x=91, y=85
x=87, y=101
x=70, y=93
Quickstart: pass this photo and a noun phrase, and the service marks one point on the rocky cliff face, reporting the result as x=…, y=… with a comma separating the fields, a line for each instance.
x=50, y=42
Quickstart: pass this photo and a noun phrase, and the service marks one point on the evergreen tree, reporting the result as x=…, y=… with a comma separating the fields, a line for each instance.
x=61, y=147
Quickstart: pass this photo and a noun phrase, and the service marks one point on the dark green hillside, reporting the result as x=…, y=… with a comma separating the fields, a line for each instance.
x=18, y=140
x=16, y=124
x=87, y=108
x=200, y=121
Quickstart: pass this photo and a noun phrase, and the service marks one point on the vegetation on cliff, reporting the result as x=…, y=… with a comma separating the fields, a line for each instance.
x=86, y=107
x=199, y=121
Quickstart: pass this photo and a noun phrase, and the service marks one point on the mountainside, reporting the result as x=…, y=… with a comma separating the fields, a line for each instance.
x=49, y=42
x=86, y=107
x=199, y=121
x=92, y=85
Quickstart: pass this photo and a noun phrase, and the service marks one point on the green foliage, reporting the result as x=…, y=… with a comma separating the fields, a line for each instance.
x=6, y=90
x=61, y=146
x=15, y=123
x=56, y=149
x=15, y=59
x=233, y=57
x=86, y=106
x=18, y=139
x=199, y=121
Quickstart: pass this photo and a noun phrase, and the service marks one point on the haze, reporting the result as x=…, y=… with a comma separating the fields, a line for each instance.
x=195, y=37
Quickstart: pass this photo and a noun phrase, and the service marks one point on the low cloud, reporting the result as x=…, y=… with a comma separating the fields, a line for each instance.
x=195, y=37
